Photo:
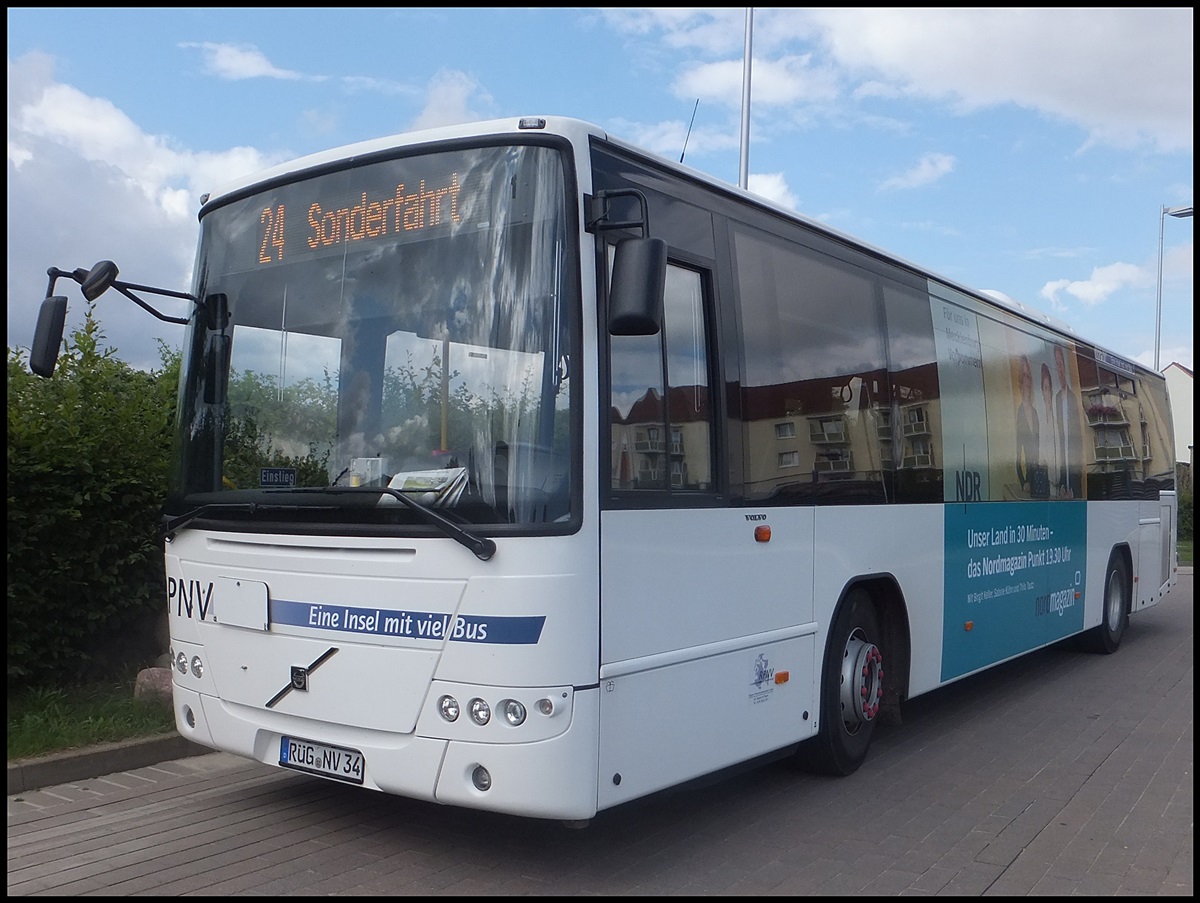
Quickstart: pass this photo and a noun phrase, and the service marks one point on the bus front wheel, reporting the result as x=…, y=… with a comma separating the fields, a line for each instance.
x=1105, y=638
x=851, y=690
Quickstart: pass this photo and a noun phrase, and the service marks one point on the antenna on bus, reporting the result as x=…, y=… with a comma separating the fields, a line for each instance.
x=689, y=131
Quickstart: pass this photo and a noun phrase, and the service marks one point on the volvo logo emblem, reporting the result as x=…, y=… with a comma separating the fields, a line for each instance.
x=300, y=675
x=299, y=678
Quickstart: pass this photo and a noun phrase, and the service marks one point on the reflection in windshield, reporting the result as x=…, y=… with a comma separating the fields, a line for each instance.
x=376, y=334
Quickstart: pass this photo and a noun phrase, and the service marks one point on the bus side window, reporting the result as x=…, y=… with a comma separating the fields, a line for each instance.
x=660, y=412
x=814, y=391
x=918, y=456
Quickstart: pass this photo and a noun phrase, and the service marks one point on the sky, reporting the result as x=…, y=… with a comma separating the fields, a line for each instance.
x=1026, y=152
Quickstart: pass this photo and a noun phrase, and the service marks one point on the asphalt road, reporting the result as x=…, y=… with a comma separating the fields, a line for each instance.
x=1060, y=773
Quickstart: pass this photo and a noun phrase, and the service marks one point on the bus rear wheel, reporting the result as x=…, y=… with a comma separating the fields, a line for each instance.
x=1105, y=638
x=851, y=690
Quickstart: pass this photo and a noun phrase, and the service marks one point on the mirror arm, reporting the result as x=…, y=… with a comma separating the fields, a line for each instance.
x=157, y=291
x=124, y=289
x=55, y=274
x=598, y=211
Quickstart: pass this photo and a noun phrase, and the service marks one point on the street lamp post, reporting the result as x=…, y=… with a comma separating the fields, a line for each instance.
x=1163, y=213
x=744, y=162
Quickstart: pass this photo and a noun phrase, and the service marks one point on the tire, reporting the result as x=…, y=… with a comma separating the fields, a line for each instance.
x=851, y=690
x=1105, y=638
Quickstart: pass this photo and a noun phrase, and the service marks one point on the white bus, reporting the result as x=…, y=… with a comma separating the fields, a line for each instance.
x=520, y=469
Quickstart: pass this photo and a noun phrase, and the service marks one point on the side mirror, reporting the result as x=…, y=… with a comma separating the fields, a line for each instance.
x=99, y=279
x=47, y=338
x=639, y=280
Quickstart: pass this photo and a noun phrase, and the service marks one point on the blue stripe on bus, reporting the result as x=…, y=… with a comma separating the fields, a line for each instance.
x=419, y=625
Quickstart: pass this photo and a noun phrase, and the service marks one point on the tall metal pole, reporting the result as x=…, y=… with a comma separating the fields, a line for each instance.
x=744, y=168
x=1162, y=215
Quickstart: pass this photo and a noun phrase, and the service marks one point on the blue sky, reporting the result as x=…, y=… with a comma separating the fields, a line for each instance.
x=1022, y=151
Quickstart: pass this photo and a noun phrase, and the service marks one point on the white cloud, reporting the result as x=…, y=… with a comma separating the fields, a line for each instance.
x=17, y=154
x=1125, y=75
x=453, y=96
x=671, y=139
x=712, y=31
x=356, y=83
x=929, y=169
x=773, y=186
x=1122, y=75
x=235, y=62
x=1106, y=281
x=96, y=131
x=1102, y=284
x=783, y=82
x=1168, y=354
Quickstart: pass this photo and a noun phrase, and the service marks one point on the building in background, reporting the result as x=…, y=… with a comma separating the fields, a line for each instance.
x=1179, y=387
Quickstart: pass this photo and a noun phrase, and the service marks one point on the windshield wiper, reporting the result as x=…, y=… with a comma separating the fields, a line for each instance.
x=481, y=546
x=171, y=525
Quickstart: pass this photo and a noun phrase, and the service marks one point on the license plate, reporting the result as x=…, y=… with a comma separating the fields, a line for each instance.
x=335, y=762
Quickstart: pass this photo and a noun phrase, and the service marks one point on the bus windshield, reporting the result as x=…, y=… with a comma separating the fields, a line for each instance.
x=404, y=324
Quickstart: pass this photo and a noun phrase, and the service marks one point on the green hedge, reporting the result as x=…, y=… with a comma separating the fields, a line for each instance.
x=87, y=471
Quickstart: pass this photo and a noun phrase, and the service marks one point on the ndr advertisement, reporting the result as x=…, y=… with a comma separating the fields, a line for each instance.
x=1014, y=577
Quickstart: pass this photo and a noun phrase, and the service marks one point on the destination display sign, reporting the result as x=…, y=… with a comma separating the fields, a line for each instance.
x=371, y=209
x=321, y=218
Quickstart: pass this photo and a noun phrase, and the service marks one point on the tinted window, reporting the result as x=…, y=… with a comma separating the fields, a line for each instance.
x=814, y=391
x=661, y=419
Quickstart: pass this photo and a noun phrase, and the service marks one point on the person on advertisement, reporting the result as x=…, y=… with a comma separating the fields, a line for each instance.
x=1028, y=429
x=1069, y=478
x=1049, y=444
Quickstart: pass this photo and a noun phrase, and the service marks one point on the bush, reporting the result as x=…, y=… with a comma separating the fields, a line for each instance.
x=87, y=472
x=1186, y=514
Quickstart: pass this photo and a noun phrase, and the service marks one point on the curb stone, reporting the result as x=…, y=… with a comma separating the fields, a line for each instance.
x=94, y=761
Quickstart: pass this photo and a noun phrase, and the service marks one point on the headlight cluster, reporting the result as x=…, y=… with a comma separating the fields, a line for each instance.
x=512, y=711
x=182, y=665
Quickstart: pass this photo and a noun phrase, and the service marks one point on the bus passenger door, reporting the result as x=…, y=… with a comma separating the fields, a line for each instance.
x=688, y=657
